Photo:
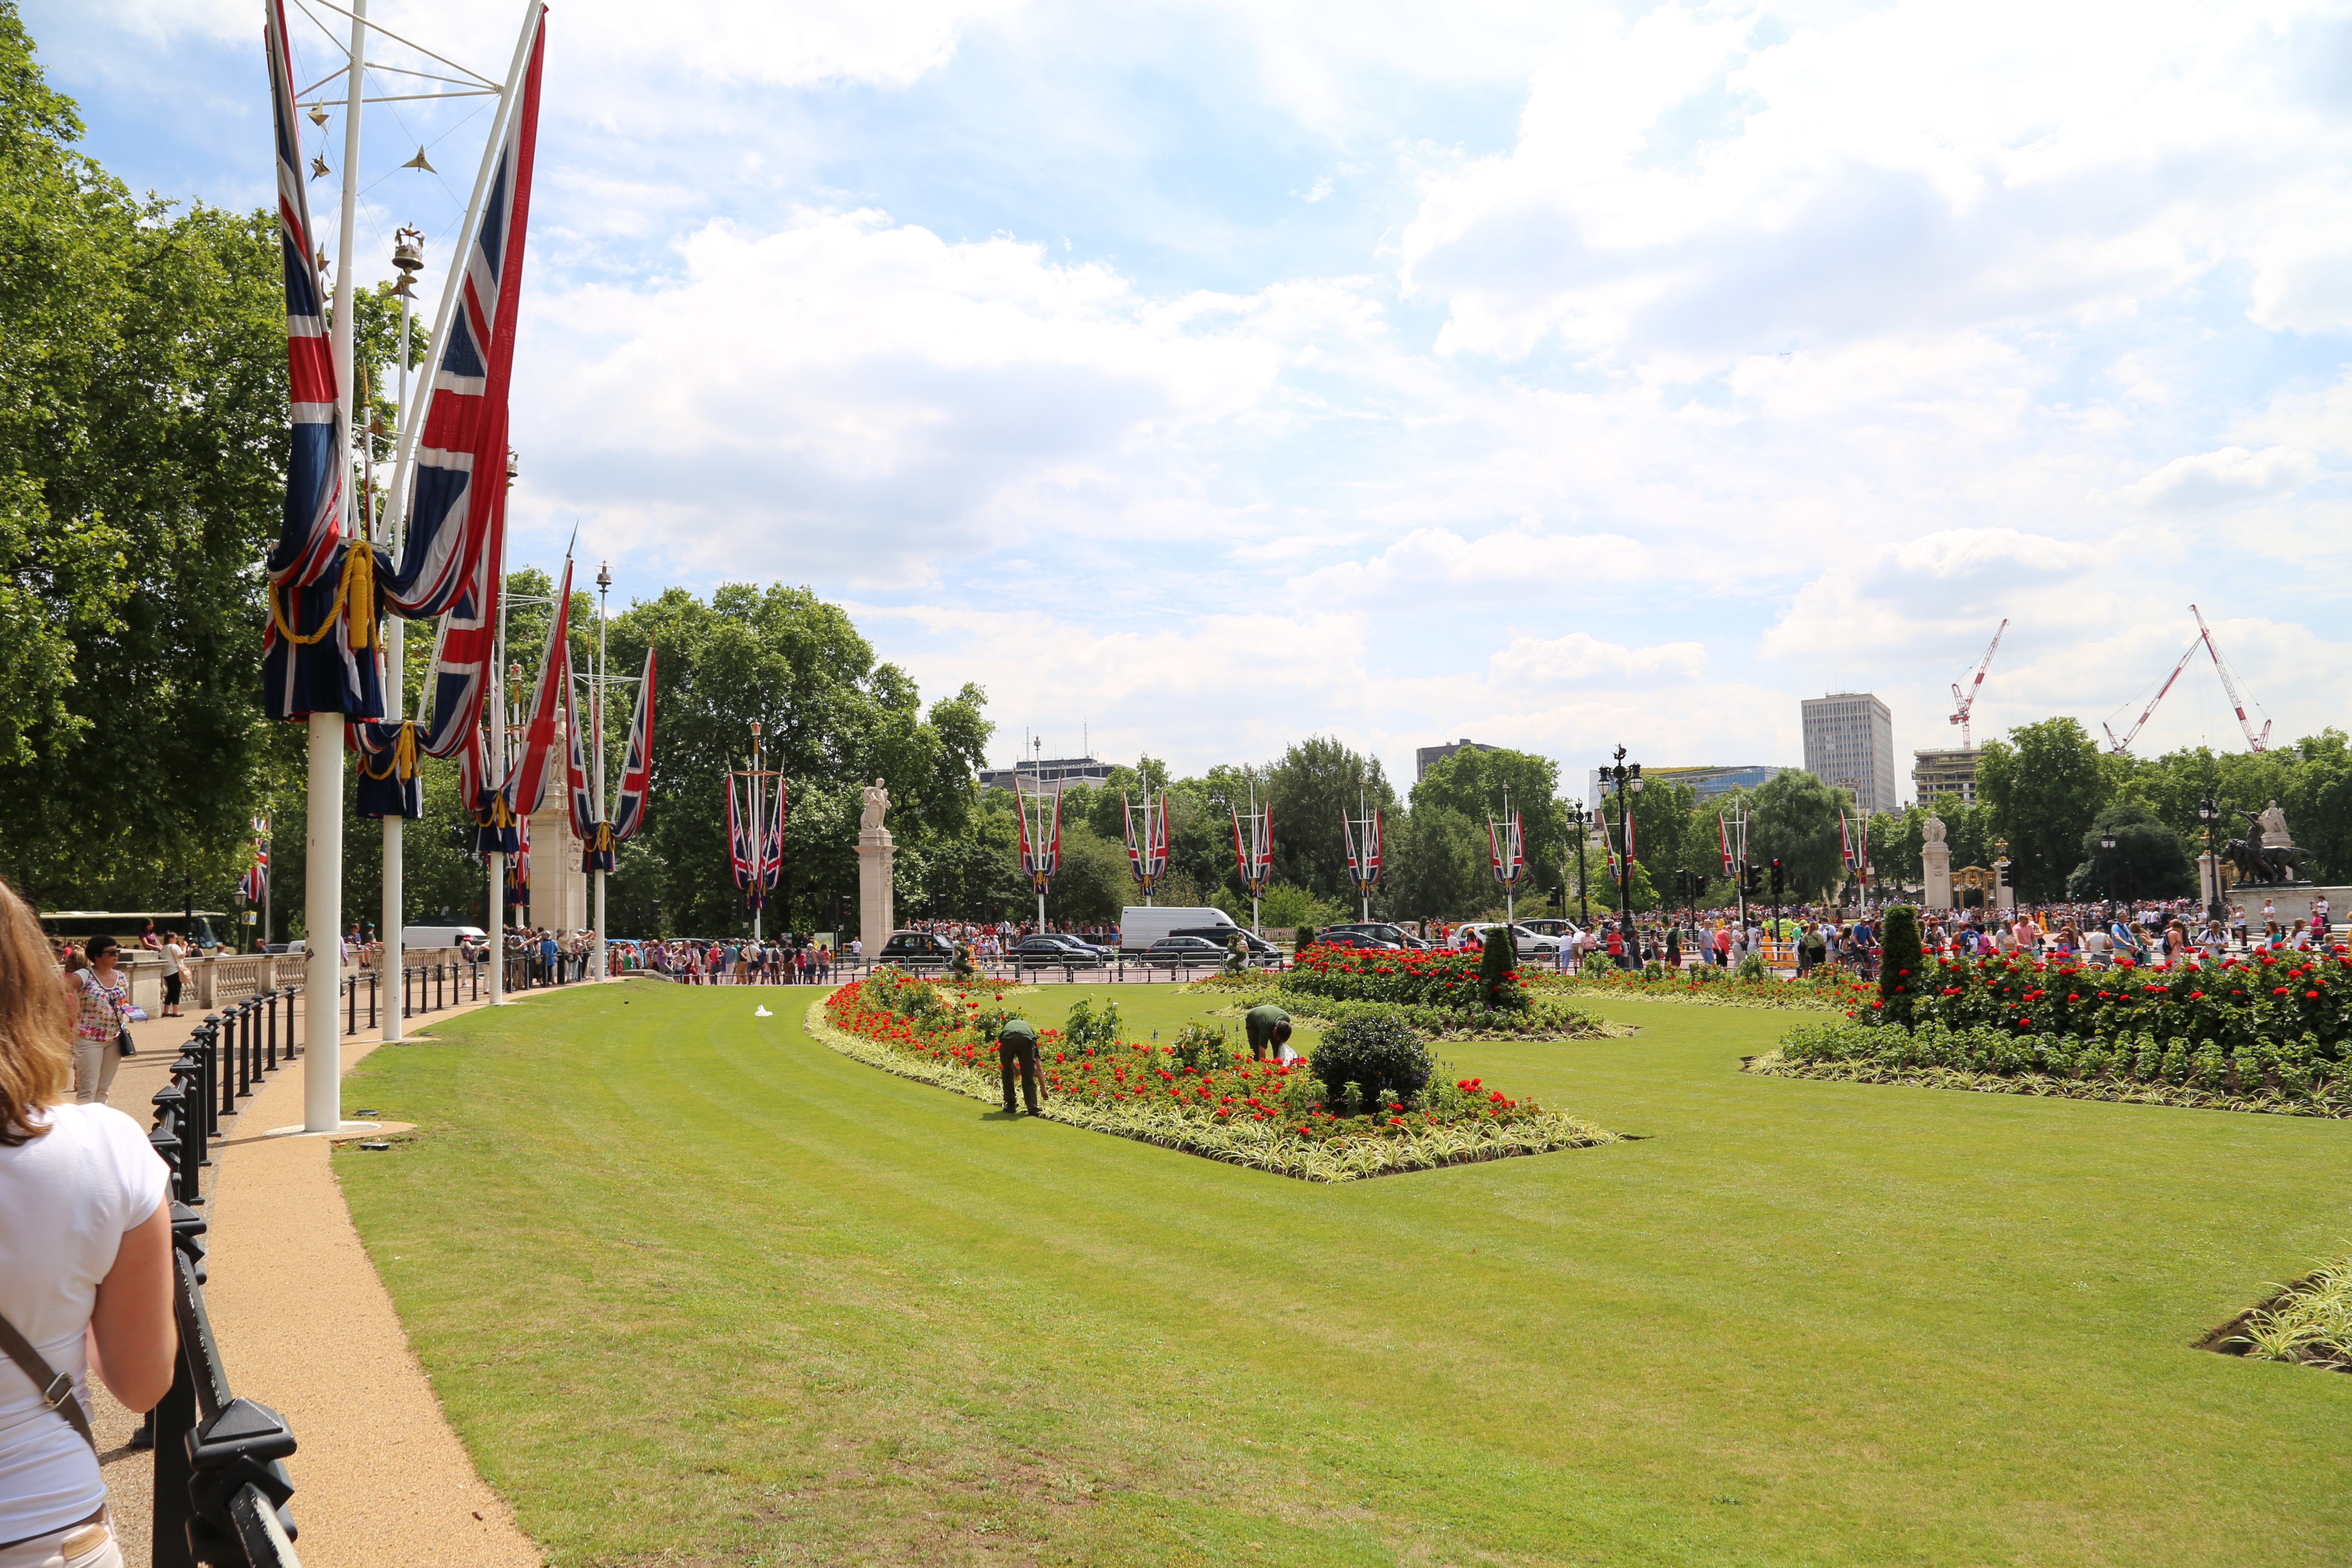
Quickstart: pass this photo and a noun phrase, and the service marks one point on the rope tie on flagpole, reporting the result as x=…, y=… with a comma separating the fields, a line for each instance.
x=403, y=751
x=354, y=598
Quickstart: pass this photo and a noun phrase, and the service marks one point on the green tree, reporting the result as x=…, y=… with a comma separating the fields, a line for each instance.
x=1315, y=784
x=1793, y=818
x=2149, y=860
x=2043, y=787
x=1438, y=866
x=1472, y=784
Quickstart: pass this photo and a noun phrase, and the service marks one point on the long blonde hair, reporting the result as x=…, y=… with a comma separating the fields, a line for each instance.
x=36, y=1024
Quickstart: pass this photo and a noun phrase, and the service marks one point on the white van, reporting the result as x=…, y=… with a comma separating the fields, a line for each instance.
x=415, y=937
x=1140, y=926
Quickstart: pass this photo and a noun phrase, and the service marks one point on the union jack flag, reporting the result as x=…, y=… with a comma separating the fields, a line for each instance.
x=309, y=662
x=1723, y=840
x=518, y=866
x=637, y=763
x=588, y=825
x=755, y=839
x=1041, y=844
x=457, y=509
x=1146, y=856
x=738, y=842
x=1363, y=840
x=1506, y=851
x=256, y=885
x=1254, y=851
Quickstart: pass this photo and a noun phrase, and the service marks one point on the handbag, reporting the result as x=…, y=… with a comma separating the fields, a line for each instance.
x=123, y=1044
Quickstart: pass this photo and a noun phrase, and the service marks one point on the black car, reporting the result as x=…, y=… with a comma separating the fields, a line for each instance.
x=1172, y=950
x=916, y=950
x=1350, y=936
x=1051, y=948
x=1380, y=931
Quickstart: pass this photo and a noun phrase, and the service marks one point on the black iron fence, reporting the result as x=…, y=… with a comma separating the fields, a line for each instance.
x=1117, y=969
x=220, y=1478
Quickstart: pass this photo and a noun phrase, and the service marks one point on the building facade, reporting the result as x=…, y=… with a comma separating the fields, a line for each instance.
x=1849, y=746
x=1706, y=782
x=1427, y=757
x=1945, y=773
x=1050, y=776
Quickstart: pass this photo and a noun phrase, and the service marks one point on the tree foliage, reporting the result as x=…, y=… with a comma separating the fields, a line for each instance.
x=2044, y=785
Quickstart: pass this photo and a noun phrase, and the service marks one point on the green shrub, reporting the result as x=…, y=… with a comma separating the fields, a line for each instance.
x=1201, y=1045
x=1494, y=964
x=1378, y=1054
x=1751, y=968
x=1902, y=967
x=1304, y=939
x=1090, y=1023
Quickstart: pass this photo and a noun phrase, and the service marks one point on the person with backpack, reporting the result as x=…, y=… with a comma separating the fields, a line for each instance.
x=85, y=1265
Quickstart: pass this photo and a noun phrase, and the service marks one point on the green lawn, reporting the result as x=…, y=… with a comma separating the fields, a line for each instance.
x=696, y=1289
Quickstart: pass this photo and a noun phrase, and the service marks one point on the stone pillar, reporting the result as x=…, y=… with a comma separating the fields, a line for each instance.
x=874, y=918
x=1936, y=867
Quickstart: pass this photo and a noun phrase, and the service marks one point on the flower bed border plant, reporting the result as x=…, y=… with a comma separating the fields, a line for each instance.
x=2309, y=1322
x=1540, y=1021
x=1253, y=1145
x=2294, y=1078
x=1686, y=985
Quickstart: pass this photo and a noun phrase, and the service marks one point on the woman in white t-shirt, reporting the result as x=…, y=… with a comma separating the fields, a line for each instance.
x=85, y=1266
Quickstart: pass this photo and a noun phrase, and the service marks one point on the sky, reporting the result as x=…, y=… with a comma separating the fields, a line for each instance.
x=1197, y=378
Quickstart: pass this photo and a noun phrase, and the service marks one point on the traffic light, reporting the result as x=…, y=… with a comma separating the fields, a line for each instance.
x=2008, y=875
x=1752, y=881
x=1779, y=881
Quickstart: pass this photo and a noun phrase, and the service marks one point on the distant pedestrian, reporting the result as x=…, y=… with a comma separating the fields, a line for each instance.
x=100, y=1030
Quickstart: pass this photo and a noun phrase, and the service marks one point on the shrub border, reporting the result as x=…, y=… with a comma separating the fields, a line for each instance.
x=1773, y=1063
x=1252, y=1148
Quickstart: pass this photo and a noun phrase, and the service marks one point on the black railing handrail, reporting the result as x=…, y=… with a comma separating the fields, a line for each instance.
x=221, y=1484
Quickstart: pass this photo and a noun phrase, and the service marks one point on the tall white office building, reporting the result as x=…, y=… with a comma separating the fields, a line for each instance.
x=1849, y=746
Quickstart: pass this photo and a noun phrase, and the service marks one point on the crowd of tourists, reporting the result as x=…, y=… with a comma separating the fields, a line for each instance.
x=735, y=963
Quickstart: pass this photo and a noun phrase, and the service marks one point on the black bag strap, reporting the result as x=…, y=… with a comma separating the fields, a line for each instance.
x=56, y=1387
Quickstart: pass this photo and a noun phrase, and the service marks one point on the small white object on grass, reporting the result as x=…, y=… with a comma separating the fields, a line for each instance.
x=762, y=1012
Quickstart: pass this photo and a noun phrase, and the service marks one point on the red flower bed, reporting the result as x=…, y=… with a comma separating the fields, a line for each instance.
x=1437, y=977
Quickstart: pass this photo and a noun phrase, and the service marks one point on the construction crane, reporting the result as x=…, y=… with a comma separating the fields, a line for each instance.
x=2256, y=740
x=1963, y=704
x=2120, y=747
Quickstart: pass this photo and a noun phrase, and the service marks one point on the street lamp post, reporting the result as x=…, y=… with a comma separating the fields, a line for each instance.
x=2107, y=843
x=1580, y=821
x=1627, y=776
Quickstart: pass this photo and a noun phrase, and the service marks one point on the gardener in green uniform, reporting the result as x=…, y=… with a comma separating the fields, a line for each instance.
x=1269, y=1031
x=1017, y=1042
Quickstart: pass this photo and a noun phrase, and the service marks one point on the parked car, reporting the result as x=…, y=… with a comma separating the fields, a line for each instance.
x=1379, y=931
x=1051, y=948
x=916, y=950
x=1172, y=950
x=1558, y=931
x=1355, y=936
x=1527, y=943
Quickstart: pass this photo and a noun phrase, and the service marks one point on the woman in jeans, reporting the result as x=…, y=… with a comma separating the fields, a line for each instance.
x=85, y=1266
x=102, y=991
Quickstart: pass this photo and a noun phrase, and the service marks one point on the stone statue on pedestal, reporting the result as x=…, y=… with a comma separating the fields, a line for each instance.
x=2273, y=823
x=2266, y=854
x=1935, y=864
x=876, y=854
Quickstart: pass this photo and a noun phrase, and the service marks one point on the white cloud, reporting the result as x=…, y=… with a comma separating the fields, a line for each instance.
x=1582, y=659
x=2218, y=478
x=857, y=396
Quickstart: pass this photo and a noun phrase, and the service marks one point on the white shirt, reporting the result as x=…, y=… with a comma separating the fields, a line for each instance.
x=66, y=1199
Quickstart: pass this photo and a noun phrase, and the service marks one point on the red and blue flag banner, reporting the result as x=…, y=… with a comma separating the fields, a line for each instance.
x=256, y=885
x=1147, y=854
x=1723, y=841
x=738, y=843
x=1363, y=840
x=518, y=866
x=596, y=834
x=1254, y=849
x=771, y=840
x=321, y=594
x=637, y=763
x=1506, y=851
x=458, y=498
x=1041, y=844
x=525, y=786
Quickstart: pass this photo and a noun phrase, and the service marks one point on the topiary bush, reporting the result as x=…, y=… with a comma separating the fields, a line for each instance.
x=1381, y=1055
x=1495, y=965
x=1901, y=966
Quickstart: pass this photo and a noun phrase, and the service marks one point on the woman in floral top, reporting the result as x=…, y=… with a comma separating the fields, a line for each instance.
x=104, y=990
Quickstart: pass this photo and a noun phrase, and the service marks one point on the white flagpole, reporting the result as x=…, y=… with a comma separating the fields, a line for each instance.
x=322, y=922
x=596, y=723
x=396, y=705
